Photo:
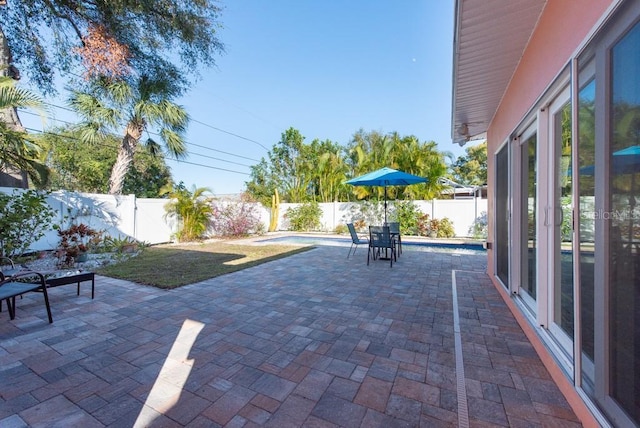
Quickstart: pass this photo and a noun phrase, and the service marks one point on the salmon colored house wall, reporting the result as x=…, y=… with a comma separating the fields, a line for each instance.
x=562, y=28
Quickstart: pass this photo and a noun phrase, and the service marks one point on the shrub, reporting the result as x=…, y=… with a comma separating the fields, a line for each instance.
x=409, y=217
x=236, y=218
x=24, y=218
x=304, y=217
x=192, y=210
x=480, y=226
x=76, y=240
x=341, y=229
x=119, y=244
x=445, y=229
x=424, y=225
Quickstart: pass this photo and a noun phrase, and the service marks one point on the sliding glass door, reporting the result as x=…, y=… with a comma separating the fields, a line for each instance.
x=528, y=218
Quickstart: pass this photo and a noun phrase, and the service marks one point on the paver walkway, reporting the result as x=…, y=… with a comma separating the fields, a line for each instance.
x=311, y=340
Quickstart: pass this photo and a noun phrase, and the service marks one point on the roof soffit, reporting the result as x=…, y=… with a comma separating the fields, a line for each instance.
x=490, y=38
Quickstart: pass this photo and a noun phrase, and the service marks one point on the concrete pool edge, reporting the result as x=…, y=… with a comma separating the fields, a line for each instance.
x=270, y=237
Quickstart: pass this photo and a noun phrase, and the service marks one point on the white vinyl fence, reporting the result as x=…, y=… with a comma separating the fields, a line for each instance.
x=461, y=212
x=145, y=219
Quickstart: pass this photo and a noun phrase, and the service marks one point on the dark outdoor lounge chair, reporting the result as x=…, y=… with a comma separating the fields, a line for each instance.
x=10, y=288
x=355, y=239
x=8, y=268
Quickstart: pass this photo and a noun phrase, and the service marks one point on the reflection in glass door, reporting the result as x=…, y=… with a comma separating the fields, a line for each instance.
x=624, y=224
x=586, y=177
x=561, y=310
x=502, y=215
x=528, y=209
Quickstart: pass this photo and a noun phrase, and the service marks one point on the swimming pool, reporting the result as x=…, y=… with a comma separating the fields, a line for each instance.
x=424, y=246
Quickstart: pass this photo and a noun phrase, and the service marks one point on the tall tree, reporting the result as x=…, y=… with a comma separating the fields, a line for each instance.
x=17, y=148
x=75, y=165
x=115, y=105
x=290, y=169
x=369, y=151
x=162, y=40
x=471, y=168
x=330, y=171
x=155, y=38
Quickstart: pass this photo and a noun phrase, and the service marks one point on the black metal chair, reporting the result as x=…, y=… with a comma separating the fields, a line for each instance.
x=380, y=239
x=355, y=239
x=10, y=288
x=394, y=229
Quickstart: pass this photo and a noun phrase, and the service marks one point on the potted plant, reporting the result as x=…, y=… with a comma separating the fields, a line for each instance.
x=75, y=243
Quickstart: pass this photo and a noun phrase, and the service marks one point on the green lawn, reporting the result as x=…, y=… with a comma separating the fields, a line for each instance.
x=171, y=266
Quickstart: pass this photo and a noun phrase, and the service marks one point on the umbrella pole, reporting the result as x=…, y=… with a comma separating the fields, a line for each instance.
x=632, y=207
x=385, y=205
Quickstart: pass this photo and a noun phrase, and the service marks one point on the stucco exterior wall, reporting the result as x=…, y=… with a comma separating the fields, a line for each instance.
x=562, y=27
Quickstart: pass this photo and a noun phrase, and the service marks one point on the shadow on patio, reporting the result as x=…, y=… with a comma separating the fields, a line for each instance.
x=313, y=339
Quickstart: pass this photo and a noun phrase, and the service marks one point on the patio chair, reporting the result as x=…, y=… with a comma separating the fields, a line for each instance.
x=394, y=228
x=10, y=289
x=380, y=239
x=355, y=239
x=8, y=268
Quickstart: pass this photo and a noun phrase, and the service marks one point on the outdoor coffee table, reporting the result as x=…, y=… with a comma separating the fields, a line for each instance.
x=65, y=278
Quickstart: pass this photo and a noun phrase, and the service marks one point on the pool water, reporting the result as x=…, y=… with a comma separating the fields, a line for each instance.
x=457, y=248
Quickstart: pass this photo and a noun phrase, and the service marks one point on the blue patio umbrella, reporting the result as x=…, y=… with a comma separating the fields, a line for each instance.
x=386, y=177
x=625, y=161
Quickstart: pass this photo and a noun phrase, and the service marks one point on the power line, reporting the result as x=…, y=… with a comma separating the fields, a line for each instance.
x=193, y=144
x=222, y=160
x=192, y=120
x=221, y=151
x=230, y=133
x=166, y=157
x=208, y=166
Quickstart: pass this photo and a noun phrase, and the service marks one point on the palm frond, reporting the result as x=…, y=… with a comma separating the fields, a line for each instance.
x=174, y=142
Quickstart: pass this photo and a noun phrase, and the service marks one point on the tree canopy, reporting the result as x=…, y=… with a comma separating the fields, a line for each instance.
x=17, y=148
x=116, y=106
x=82, y=167
x=109, y=37
x=471, y=169
x=317, y=171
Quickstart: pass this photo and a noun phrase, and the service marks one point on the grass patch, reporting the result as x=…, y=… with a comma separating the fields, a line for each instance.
x=171, y=266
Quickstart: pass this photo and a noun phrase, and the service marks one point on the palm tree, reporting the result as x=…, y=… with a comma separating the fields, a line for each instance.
x=191, y=209
x=18, y=151
x=330, y=170
x=112, y=105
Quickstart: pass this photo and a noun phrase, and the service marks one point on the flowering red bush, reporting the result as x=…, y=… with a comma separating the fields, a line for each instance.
x=232, y=218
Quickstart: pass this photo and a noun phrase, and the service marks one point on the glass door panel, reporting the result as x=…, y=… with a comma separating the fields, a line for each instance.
x=561, y=310
x=502, y=215
x=586, y=177
x=624, y=225
x=528, y=289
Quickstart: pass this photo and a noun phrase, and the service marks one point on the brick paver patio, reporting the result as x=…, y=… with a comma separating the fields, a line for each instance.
x=311, y=340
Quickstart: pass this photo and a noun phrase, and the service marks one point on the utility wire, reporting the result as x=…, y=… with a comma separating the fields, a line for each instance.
x=230, y=133
x=193, y=144
x=166, y=157
x=208, y=166
x=192, y=120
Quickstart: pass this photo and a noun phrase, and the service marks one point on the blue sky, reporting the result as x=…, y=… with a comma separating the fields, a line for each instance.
x=326, y=68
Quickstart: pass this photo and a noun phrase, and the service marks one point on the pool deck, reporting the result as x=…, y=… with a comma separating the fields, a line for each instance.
x=312, y=340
